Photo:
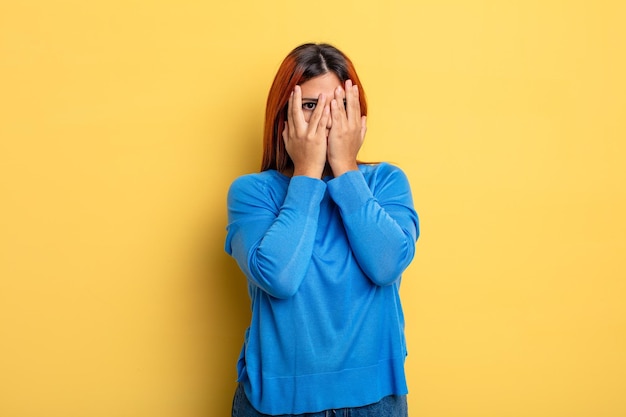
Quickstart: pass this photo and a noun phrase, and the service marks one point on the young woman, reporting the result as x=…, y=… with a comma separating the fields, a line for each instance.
x=323, y=240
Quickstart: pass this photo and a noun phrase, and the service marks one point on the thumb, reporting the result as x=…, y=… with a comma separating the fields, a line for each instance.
x=285, y=132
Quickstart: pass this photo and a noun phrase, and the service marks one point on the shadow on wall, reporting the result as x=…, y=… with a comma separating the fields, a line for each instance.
x=220, y=288
x=224, y=311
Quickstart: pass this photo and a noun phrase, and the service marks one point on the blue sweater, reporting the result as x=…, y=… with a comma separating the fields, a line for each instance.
x=324, y=260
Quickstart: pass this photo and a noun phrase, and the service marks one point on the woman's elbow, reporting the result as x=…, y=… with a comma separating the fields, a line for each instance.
x=389, y=269
x=281, y=284
x=282, y=290
x=383, y=281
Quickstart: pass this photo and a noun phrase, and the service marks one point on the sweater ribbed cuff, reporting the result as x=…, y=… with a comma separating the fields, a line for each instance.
x=350, y=191
x=305, y=191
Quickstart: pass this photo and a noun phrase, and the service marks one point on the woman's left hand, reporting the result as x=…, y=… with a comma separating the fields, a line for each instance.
x=347, y=131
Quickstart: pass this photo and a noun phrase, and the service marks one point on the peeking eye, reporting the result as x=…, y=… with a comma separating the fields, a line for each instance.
x=309, y=105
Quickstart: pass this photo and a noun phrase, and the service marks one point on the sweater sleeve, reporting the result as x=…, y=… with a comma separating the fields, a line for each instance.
x=273, y=241
x=380, y=221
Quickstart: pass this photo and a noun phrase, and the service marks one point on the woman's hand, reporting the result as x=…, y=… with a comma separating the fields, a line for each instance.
x=348, y=130
x=306, y=142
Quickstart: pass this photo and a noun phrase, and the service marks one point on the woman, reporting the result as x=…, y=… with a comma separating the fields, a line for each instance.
x=323, y=240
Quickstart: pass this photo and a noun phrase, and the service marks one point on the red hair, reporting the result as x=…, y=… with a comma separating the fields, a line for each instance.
x=303, y=63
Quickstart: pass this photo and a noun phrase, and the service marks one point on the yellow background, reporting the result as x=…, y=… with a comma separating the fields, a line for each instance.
x=122, y=123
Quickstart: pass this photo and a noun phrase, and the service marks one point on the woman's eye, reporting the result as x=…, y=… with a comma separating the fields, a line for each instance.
x=309, y=106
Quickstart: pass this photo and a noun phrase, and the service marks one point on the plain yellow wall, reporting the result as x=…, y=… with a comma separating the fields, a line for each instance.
x=122, y=123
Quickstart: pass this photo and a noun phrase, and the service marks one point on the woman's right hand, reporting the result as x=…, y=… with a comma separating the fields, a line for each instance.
x=306, y=142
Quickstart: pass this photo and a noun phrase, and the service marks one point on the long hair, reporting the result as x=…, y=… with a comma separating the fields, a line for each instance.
x=303, y=63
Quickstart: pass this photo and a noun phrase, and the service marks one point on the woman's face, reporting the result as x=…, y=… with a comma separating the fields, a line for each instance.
x=322, y=84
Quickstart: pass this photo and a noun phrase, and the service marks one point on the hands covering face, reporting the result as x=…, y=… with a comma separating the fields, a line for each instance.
x=333, y=133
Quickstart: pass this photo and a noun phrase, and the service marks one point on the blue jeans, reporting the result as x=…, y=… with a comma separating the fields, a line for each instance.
x=391, y=406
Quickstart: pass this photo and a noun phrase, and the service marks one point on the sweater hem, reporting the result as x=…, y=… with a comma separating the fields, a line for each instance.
x=318, y=392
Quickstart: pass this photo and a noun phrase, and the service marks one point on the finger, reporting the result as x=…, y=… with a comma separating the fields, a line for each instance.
x=289, y=116
x=296, y=110
x=352, y=101
x=316, y=117
x=337, y=114
x=340, y=97
x=363, y=127
x=324, y=119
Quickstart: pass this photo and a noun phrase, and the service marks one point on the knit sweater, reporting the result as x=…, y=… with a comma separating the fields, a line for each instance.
x=323, y=259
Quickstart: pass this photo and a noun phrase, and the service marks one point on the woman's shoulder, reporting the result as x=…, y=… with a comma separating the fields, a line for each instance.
x=381, y=170
x=258, y=185
x=260, y=179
